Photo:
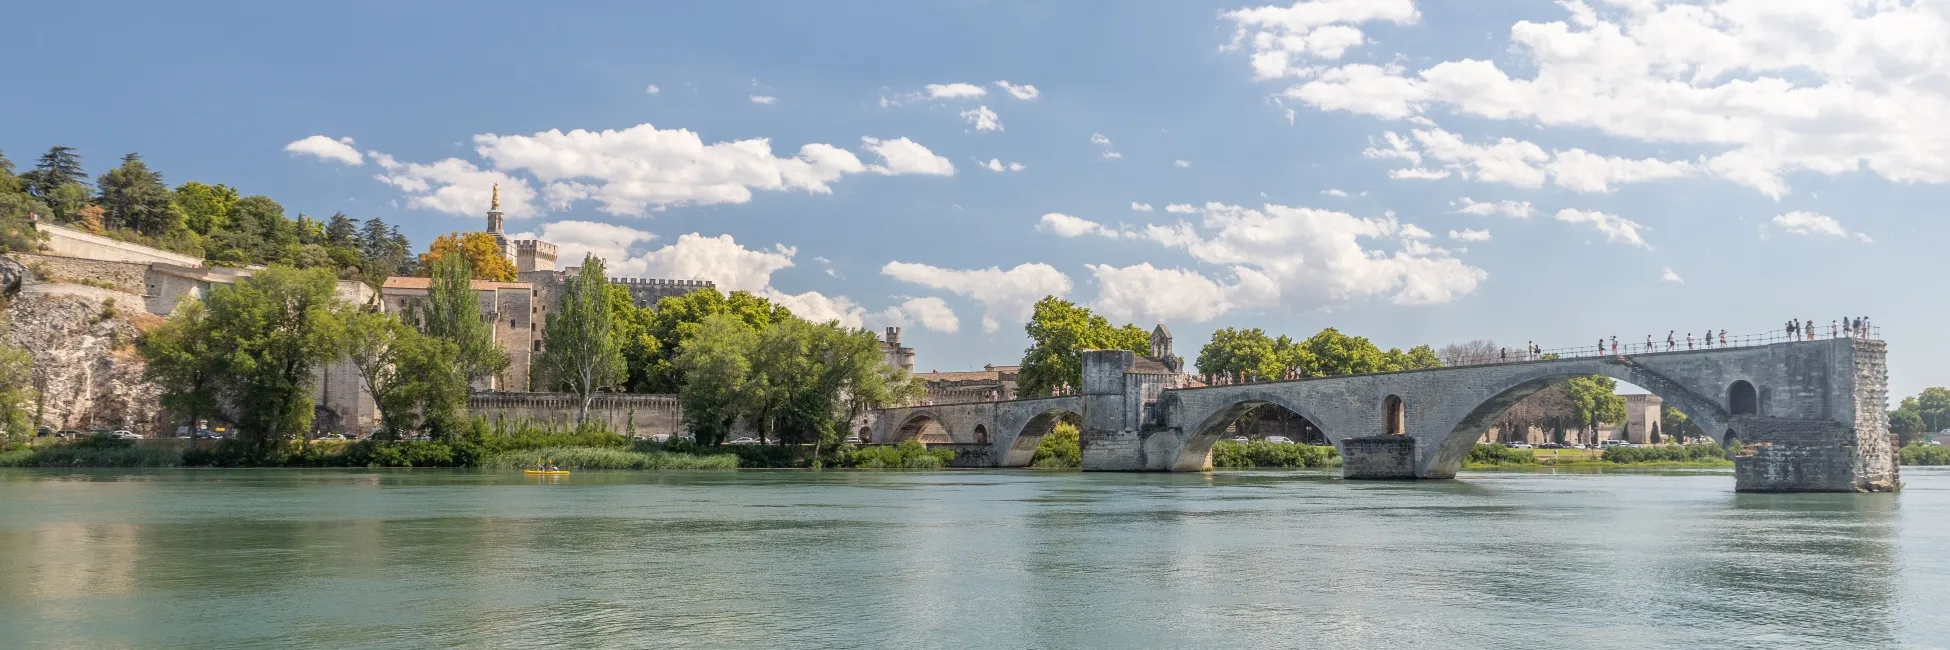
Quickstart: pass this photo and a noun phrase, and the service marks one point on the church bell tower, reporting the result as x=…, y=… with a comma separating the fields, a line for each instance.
x=494, y=218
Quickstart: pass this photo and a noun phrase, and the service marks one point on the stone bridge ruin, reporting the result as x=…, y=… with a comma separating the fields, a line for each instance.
x=1810, y=415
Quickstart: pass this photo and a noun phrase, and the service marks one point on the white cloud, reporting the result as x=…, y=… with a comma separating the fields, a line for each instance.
x=1181, y=163
x=904, y=156
x=1064, y=225
x=1181, y=208
x=1616, y=229
x=1112, y=155
x=1412, y=231
x=954, y=91
x=1141, y=207
x=1100, y=139
x=1518, y=209
x=1810, y=223
x=1315, y=257
x=996, y=165
x=1023, y=91
x=930, y=312
x=764, y=99
x=819, y=308
x=652, y=89
x=325, y=148
x=1004, y=294
x=1468, y=234
x=719, y=259
x=455, y=186
x=612, y=242
x=1333, y=193
x=1669, y=276
x=1144, y=292
x=982, y=119
x=1284, y=39
x=1762, y=88
x=641, y=168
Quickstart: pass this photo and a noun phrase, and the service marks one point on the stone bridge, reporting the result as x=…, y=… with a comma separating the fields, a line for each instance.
x=1810, y=414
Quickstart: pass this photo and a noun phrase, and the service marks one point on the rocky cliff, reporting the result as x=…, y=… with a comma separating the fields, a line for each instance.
x=85, y=364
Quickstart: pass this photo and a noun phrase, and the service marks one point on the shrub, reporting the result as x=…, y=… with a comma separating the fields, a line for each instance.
x=769, y=456
x=906, y=455
x=1694, y=453
x=1226, y=453
x=1061, y=447
x=1923, y=454
x=83, y=455
x=609, y=458
x=1483, y=454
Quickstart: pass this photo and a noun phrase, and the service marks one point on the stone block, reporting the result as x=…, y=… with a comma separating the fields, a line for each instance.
x=1378, y=457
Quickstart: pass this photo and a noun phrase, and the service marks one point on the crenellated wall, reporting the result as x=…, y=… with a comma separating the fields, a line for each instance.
x=627, y=413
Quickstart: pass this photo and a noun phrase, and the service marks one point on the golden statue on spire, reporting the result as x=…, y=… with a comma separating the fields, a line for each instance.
x=495, y=202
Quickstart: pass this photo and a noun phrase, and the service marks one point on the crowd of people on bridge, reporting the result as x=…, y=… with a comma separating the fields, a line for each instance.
x=1857, y=327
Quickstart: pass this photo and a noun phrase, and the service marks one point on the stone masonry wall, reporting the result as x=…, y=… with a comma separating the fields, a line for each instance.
x=626, y=413
x=126, y=277
x=1378, y=457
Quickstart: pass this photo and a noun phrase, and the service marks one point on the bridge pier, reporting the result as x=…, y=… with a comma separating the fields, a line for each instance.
x=1379, y=457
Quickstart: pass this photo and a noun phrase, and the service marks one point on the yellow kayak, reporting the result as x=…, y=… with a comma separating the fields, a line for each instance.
x=545, y=472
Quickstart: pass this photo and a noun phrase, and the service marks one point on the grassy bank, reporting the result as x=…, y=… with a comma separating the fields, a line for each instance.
x=83, y=455
x=608, y=458
x=1648, y=457
x=1227, y=454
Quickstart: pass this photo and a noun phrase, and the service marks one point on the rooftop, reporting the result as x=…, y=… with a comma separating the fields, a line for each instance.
x=404, y=282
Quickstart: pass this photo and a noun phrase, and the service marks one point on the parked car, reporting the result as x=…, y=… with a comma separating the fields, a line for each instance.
x=333, y=436
x=68, y=433
x=1241, y=439
x=855, y=440
x=660, y=438
x=743, y=440
x=1614, y=443
x=1517, y=445
x=1279, y=440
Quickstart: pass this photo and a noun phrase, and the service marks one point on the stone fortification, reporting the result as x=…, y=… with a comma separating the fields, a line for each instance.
x=627, y=413
x=126, y=277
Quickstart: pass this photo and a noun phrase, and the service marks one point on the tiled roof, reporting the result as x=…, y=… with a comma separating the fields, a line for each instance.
x=978, y=375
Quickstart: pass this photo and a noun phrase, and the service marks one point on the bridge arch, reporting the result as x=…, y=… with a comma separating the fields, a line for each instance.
x=923, y=426
x=1195, y=450
x=1394, y=416
x=1453, y=435
x=1742, y=399
x=1021, y=449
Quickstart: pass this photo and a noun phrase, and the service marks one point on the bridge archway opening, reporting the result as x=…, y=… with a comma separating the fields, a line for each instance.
x=1394, y=416
x=865, y=434
x=1256, y=416
x=1538, y=408
x=1022, y=450
x=981, y=433
x=1742, y=399
x=924, y=429
x=1267, y=420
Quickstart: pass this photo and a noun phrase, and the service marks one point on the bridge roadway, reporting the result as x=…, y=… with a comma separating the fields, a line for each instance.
x=1809, y=413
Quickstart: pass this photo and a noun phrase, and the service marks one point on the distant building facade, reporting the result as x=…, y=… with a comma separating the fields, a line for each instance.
x=510, y=309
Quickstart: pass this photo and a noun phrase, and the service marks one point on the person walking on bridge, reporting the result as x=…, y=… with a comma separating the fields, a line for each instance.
x=1723, y=338
x=1670, y=344
x=1648, y=344
x=1689, y=340
x=1614, y=344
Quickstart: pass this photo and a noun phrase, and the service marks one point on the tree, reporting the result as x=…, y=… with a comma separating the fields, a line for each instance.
x=261, y=340
x=16, y=387
x=579, y=349
x=342, y=231
x=1595, y=401
x=58, y=168
x=656, y=335
x=205, y=208
x=1416, y=358
x=1676, y=425
x=382, y=348
x=1469, y=352
x=1059, y=332
x=452, y=312
x=716, y=365
x=1335, y=354
x=14, y=232
x=1244, y=354
x=182, y=363
x=1906, y=423
x=484, y=256
x=134, y=198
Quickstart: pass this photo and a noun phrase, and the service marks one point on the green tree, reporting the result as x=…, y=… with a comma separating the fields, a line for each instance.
x=1416, y=358
x=182, y=362
x=342, y=231
x=15, y=235
x=652, y=353
x=205, y=208
x=579, y=348
x=266, y=336
x=1246, y=354
x=58, y=168
x=716, y=365
x=1595, y=401
x=390, y=357
x=16, y=387
x=1906, y=424
x=1334, y=354
x=134, y=198
x=452, y=312
x=1059, y=332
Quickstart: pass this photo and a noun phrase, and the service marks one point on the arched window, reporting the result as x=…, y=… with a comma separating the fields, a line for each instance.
x=981, y=433
x=1742, y=399
x=1394, y=416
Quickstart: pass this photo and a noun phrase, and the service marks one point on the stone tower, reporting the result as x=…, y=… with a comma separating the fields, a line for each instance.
x=494, y=219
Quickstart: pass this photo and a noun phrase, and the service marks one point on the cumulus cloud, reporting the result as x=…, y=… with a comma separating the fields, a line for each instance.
x=1145, y=292
x=1669, y=276
x=1103, y=141
x=1763, y=89
x=611, y=242
x=1412, y=231
x=982, y=119
x=1615, y=228
x=904, y=156
x=1181, y=163
x=1064, y=225
x=1285, y=40
x=652, y=89
x=325, y=148
x=996, y=165
x=635, y=170
x=1141, y=207
x=1314, y=258
x=1009, y=294
x=1023, y=91
x=954, y=91
x=819, y=308
x=1333, y=193
x=1810, y=223
x=1467, y=234
x=929, y=312
x=1518, y=209
x=1516, y=162
x=764, y=99
x=1181, y=208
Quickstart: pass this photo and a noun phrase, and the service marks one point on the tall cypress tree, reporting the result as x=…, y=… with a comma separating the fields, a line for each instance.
x=579, y=351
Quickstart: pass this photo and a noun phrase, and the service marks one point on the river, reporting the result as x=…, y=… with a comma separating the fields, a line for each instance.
x=962, y=559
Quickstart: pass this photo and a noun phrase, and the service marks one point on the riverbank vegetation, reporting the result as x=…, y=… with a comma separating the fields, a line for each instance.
x=1925, y=454
x=1227, y=454
x=1061, y=448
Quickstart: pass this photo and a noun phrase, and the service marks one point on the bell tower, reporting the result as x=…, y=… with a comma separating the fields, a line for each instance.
x=494, y=218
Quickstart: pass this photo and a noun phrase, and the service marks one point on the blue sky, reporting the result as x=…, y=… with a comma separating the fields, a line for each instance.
x=1637, y=166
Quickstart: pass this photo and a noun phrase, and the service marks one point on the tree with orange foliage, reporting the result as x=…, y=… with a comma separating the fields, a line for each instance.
x=482, y=253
